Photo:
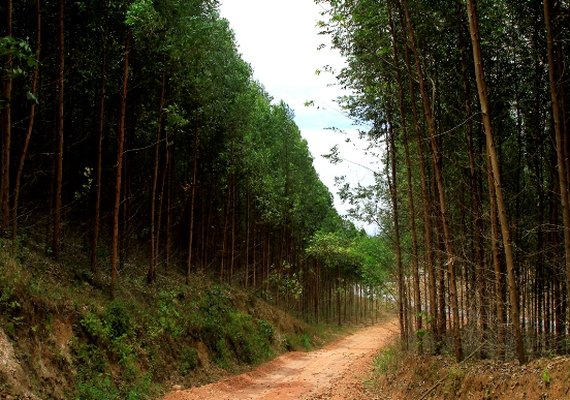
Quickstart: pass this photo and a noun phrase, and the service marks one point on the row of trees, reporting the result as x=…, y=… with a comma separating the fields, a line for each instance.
x=469, y=101
x=136, y=125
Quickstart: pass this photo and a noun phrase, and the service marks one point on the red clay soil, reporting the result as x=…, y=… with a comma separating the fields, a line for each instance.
x=336, y=371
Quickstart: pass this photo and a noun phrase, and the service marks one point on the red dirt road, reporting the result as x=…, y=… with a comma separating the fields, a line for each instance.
x=335, y=372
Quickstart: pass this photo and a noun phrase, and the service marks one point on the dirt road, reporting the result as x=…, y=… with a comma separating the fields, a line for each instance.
x=335, y=372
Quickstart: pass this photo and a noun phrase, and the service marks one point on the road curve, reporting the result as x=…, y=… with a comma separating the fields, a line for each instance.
x=336, y=371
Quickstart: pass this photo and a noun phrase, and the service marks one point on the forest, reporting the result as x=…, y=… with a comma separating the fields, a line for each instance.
x=469, y=101
x=133, y=131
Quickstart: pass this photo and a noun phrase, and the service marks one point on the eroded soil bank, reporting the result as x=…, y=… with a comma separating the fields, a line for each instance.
x=440, y=377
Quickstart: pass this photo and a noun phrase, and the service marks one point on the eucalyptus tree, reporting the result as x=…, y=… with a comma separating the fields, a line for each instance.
x=393, y=56
x=7, y=80
x=559, y=131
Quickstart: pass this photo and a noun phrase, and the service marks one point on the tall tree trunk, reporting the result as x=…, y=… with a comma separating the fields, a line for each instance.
x=6, y=130
x=475, y=186
x=426, y=212
x=392, y=183
x=151, y=274
x=192, y=207
x=169, y=176
x=58, y=176
x=99, y=162
x=493, y=159
x=30, y=128
x=436, y=161
x=561, y=156
x=247, y=239
x=161, y=197
x=119, y=165
x=410, y=192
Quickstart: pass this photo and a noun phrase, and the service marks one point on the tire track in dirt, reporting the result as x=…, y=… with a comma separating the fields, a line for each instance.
x=336, y=371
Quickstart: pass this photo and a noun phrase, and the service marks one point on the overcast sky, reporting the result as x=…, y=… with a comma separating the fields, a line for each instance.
x=280, y=40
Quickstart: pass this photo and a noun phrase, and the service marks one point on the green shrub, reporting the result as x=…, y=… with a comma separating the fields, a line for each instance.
x=99, y=388
x=230, y=334
x=386, y=360
x=169, y=319
x=189, y=360
x=117, y=320
x=298, y=341
x=91, y=360
x=266, y=330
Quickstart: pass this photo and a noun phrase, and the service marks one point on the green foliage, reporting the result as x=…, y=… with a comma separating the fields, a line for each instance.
x=231, y=334
x=286, y=281
x=141, y=14
x=386, y=360
x=266, y=330
x=100, y=388
x=113, y=325
x=112, y=332
x=300, y=341
x=169, y=319
x=546, y=378
x=189, y=360
x=22, y=56
x=10, y=307
x=333, y=249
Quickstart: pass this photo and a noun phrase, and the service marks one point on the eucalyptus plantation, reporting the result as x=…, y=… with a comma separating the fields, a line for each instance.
x=488, y=168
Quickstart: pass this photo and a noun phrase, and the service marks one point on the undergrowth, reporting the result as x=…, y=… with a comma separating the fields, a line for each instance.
x=134, y=345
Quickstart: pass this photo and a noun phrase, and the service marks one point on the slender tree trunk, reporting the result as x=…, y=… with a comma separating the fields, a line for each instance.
x=233, y=231
x=475, y=185
x=6, y=130
x=561, y=155
x=151, y=274
x=247, y=240
x=426, y=212
x=493, y=159
x=99, y=163
x=119, y=166
x=161, y=196
x=56, y=240
x=392, y=183
x=30, y=128
x=436, y=161
x=227, y=213
x=410, y=192
x=192, y=207
x=168, y=234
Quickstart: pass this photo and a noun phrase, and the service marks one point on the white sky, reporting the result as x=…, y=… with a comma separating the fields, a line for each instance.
x=279, y=39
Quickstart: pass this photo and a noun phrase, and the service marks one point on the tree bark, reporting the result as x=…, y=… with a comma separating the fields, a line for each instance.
x=493, y=159
x=561, y=155
x=411, y=202
x=99, y=162
x=58, y=175
x=392, y=183
x=30, y=128
x=6, y=130
x=192, y=206
x=475, y=186
x=436, y=161
x=151, y=274
x=119, y=165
